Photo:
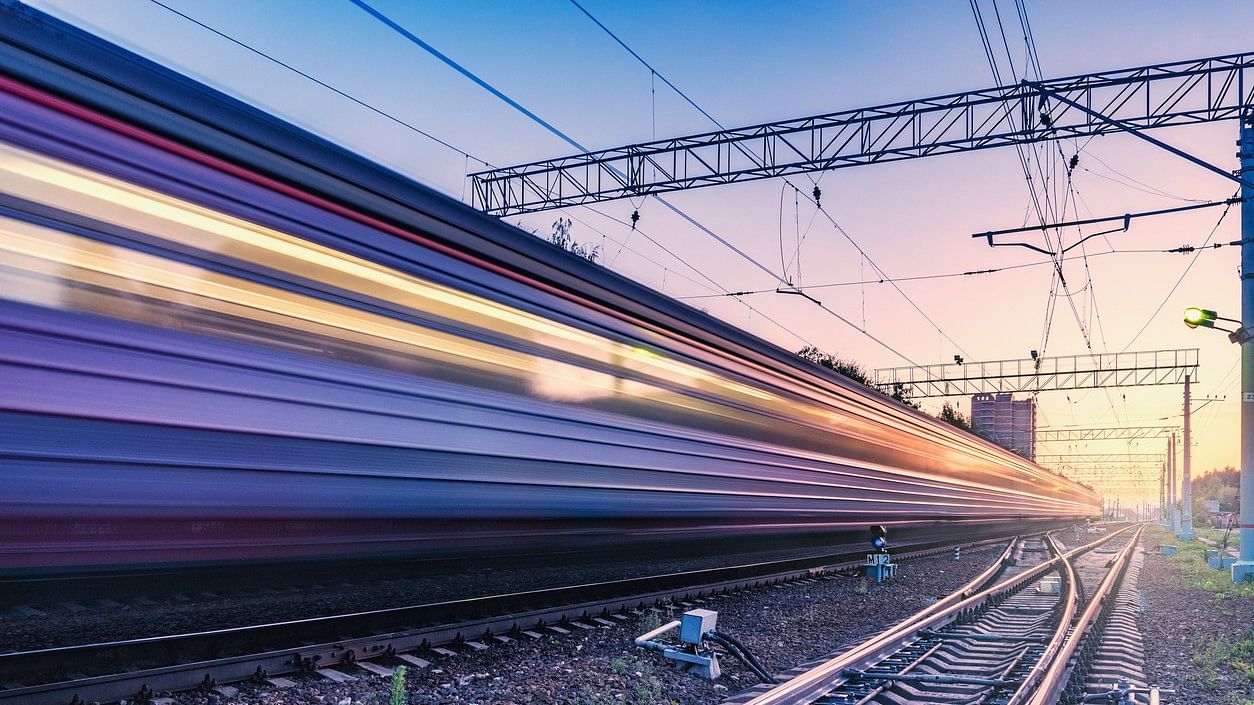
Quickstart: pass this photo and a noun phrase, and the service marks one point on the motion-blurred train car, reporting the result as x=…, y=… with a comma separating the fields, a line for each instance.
x=224, y=339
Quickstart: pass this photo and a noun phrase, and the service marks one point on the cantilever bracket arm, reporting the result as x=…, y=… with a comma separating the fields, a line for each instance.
x=1125, y=220
x=1139, y=133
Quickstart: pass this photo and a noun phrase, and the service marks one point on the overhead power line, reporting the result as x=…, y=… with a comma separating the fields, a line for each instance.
x=812, y=198
x=320, y=82
x=512, y=103
x=1183, y=249
x=271, y=58
x=465, y=72
x=1185, y=273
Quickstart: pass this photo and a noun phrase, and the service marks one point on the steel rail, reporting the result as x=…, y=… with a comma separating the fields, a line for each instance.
x=1070, y=600
x=258, y=651
x=1056, y=676
x=812, y=684
x=975, y=585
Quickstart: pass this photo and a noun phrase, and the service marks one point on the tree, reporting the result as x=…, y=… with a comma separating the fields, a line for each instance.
x=1217, y=485
x=951, y=415
x=562, y=237
x=851, y=370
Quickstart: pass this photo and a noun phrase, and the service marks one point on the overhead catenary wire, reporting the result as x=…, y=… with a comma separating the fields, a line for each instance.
x=403, y=123
x=391, y=24
x=394, y=26
x=979, y=272
x=271, y=58
x=1048, y=212
x=1158, y=309
x=414, y=39
x=796, y=191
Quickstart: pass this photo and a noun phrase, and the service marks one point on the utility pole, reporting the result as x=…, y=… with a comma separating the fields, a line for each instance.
x=1162, y=496
x=1173, y=518
x=1243, y=569
x=1186, y=488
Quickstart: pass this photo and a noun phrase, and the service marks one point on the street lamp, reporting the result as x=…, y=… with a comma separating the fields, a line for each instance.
x=1204, y=317
x=1195, y=316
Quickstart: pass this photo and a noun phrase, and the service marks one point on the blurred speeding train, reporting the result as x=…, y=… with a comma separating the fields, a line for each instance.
x=222, y=338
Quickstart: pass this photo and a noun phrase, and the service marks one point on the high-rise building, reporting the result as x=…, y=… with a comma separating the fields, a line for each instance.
x=1007, y=421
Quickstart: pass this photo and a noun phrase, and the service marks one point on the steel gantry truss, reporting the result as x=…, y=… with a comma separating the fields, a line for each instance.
x=1162, y=95
x=1112, y=433
x=1130, y=369
x=1060, y=459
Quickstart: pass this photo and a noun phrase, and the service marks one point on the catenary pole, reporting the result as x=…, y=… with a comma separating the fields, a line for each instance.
x=1243, y=569
x=1173, y=516
x=1186, y=487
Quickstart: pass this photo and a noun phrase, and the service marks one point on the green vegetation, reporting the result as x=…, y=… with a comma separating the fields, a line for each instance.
x=1217, y=485
x=1191, y=563
x=398, y=686
x=950, y=415
x=1217, y=535
x=1224, y=652
x=851, y=370
x=562, y=237
x=643, y=687
x=651, y=620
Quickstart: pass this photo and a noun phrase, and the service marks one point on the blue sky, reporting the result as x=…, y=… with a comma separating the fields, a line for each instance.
x=753, y=62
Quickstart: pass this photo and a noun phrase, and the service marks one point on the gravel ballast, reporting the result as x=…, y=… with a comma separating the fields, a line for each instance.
x=1198, y=627
x=783, y=626
x=165, y=611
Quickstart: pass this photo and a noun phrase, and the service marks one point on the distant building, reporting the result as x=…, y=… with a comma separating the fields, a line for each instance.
x=1007, y=421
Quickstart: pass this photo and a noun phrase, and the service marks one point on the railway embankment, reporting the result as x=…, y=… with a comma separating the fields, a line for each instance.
x=1198, y=626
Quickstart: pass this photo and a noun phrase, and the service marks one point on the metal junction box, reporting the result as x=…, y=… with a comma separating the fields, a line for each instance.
x=695, y=623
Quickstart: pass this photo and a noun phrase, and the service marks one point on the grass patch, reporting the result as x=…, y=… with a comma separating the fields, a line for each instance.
x=1217, y=535
x=1221, y=654
x=1190, y=562
x=643, y=687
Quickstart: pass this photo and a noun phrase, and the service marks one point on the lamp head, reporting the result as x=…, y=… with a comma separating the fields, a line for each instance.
x=1194, y=317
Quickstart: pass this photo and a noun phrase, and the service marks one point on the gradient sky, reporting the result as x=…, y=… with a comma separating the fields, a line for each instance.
x=754, y=62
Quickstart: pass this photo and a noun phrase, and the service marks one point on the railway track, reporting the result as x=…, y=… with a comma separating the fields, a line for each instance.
x=1045, y=625
x=137, y=669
